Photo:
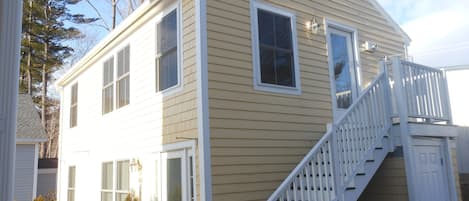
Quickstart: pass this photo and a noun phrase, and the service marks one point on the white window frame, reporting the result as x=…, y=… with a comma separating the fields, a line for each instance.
x=258, y=85
x=114, y=190
x=115, y=59
x=180, y=67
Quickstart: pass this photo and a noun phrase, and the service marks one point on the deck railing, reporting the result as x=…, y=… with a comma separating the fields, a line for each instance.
x=424, y=89
x=330, y=166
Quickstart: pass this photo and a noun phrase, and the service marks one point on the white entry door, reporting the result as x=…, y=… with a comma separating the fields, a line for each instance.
x=431, y=175
x=342, y=69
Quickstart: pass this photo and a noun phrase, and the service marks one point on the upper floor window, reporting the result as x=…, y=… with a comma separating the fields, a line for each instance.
x=122, y=81
x=167, y=56
x=275, y=52
x=74, y=105
x=123, y=77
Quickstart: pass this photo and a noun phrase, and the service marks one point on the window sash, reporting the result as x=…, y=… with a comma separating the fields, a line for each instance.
x=272, y=45
x=108, y=99
x=123, y=91
x=108, y=86
x=167, y=57
x=74, y=105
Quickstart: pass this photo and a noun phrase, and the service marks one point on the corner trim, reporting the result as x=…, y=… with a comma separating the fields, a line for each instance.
x=36, y=158
x=202, y=102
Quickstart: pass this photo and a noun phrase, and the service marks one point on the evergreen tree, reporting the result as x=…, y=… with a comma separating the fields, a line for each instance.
x=43, y=46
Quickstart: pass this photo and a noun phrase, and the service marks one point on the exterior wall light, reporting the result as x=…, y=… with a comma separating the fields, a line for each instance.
x=313, y=25
x=369, y=46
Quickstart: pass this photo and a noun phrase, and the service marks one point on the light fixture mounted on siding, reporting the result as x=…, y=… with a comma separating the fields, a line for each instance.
x=313, y=25
x=369, y=46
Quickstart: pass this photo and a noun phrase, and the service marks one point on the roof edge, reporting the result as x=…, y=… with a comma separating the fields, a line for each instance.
x=85, y=62
x=394, y=24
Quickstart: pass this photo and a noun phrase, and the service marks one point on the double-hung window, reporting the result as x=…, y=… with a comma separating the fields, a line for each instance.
x=108, y=85
x=275, y=52
x=71, y=183
x=122, y=81
x=74, y=105
x=119, y=190
x=167, y=58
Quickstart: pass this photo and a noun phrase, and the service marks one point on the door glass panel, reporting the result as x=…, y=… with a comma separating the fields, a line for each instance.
x=174, y=183
x=341, y=65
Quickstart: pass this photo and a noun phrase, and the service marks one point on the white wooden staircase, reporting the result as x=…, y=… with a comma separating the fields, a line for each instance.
x=342, y=163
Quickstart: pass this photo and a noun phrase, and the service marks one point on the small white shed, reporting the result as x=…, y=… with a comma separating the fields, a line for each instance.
x=29, y=133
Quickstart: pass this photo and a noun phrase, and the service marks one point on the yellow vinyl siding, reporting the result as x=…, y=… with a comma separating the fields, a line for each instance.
x=389, y=183
x=258, y=137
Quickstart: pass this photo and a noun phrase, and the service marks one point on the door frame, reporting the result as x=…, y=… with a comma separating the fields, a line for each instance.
x=445, y=151
x=357, y=82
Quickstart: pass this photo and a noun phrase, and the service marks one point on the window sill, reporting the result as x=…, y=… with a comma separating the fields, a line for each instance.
x=277, y=89
x=170, y=91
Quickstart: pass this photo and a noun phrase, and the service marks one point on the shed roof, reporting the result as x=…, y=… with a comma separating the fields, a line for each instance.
x=28, y=126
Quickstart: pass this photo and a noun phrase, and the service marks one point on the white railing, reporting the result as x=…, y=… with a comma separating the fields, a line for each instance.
x=424, y=90
x=326, y=171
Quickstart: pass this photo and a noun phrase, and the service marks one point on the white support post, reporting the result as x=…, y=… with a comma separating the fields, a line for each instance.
x=388, y=101
x=401, y=102
x=338, y=184
x=450, y=170
x=10, y=38
x=447, y=98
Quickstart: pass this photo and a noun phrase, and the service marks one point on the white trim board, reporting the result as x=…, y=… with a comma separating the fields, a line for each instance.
x=205, y=169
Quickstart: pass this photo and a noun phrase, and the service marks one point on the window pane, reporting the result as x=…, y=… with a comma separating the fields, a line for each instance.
x=342, y=76
x=74, y=93
x=123, y=175
x=168, y=70
x=174, y=183
x=123, y=61
x=283, y=32
x=267, y=66
x=71, y=176
x=108, y=99
x=106, y=176
x=284, y=68
x=266, y=27
x=106, y=196
x=123, y=98
x=276, y=49
x=108, y=71
x=121, y=196
x=120, y=63
x=171, y=30
x=71, y=195
x=73, y=116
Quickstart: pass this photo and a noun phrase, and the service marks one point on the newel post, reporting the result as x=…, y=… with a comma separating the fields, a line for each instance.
x=406, y=139
x=388, y=98
x=338, y=183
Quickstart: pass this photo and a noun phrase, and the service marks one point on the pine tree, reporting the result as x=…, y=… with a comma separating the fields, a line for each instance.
x=43, y=46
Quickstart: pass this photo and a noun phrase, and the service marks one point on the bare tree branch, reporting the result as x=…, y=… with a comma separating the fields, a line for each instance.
x=106, y=26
